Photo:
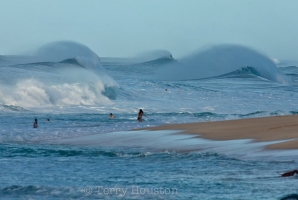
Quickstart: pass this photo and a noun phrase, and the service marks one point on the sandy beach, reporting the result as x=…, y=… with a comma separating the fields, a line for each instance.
x=260, y=129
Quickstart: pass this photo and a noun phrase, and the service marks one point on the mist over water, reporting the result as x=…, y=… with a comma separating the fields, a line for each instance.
x=59, y=51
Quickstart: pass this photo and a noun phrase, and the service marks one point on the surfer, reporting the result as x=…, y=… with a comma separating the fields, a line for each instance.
x=35, y=125
x=112, y=116
x=140, y=115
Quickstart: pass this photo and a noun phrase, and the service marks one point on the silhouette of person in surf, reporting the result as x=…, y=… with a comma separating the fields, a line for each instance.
x=140, y=115
x=35, y=125
x=112, y=116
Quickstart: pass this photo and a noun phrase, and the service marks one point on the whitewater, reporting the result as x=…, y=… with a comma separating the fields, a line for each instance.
x=76, y=89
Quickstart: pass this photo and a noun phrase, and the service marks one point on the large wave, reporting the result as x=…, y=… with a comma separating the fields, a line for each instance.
x=60, y=73
x=219, y=60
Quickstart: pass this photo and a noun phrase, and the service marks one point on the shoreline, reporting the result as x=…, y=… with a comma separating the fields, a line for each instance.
x=264, y=129
x=253, y=138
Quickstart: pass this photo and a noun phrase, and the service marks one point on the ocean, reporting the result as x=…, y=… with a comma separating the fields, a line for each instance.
x=76, y=90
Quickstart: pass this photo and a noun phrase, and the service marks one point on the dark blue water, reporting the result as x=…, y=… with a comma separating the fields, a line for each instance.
x=49, y=171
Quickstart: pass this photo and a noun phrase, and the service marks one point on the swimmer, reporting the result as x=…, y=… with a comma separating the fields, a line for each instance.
x=140, y=115
x=112, y=116
x=35, y=125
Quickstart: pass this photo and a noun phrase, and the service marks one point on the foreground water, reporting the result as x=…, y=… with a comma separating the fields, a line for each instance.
x=77, y=93
x=49, y=171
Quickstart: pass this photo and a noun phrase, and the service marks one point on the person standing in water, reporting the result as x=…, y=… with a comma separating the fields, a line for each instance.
x=112, y=116
x=35, y=125
x=140, y=115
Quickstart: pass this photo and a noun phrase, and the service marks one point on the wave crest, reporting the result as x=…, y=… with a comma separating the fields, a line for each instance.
x=219, y=60
x=62, y=50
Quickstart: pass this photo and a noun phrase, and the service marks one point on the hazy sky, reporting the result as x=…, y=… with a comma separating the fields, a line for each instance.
x=127, y=27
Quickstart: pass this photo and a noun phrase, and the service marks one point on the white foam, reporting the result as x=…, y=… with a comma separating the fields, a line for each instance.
x=172, y=140
x=34, y=93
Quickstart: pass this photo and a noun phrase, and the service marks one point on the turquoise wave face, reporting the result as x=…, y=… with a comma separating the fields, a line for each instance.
x=222, y=59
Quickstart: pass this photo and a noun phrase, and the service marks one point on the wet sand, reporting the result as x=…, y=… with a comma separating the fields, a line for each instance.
x=259, y=129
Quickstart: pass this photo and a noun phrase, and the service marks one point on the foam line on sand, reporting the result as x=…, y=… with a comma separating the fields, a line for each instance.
x=283, y=129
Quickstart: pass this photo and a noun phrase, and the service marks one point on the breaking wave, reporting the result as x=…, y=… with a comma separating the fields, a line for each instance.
x=62, y=73
x=222, y=59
